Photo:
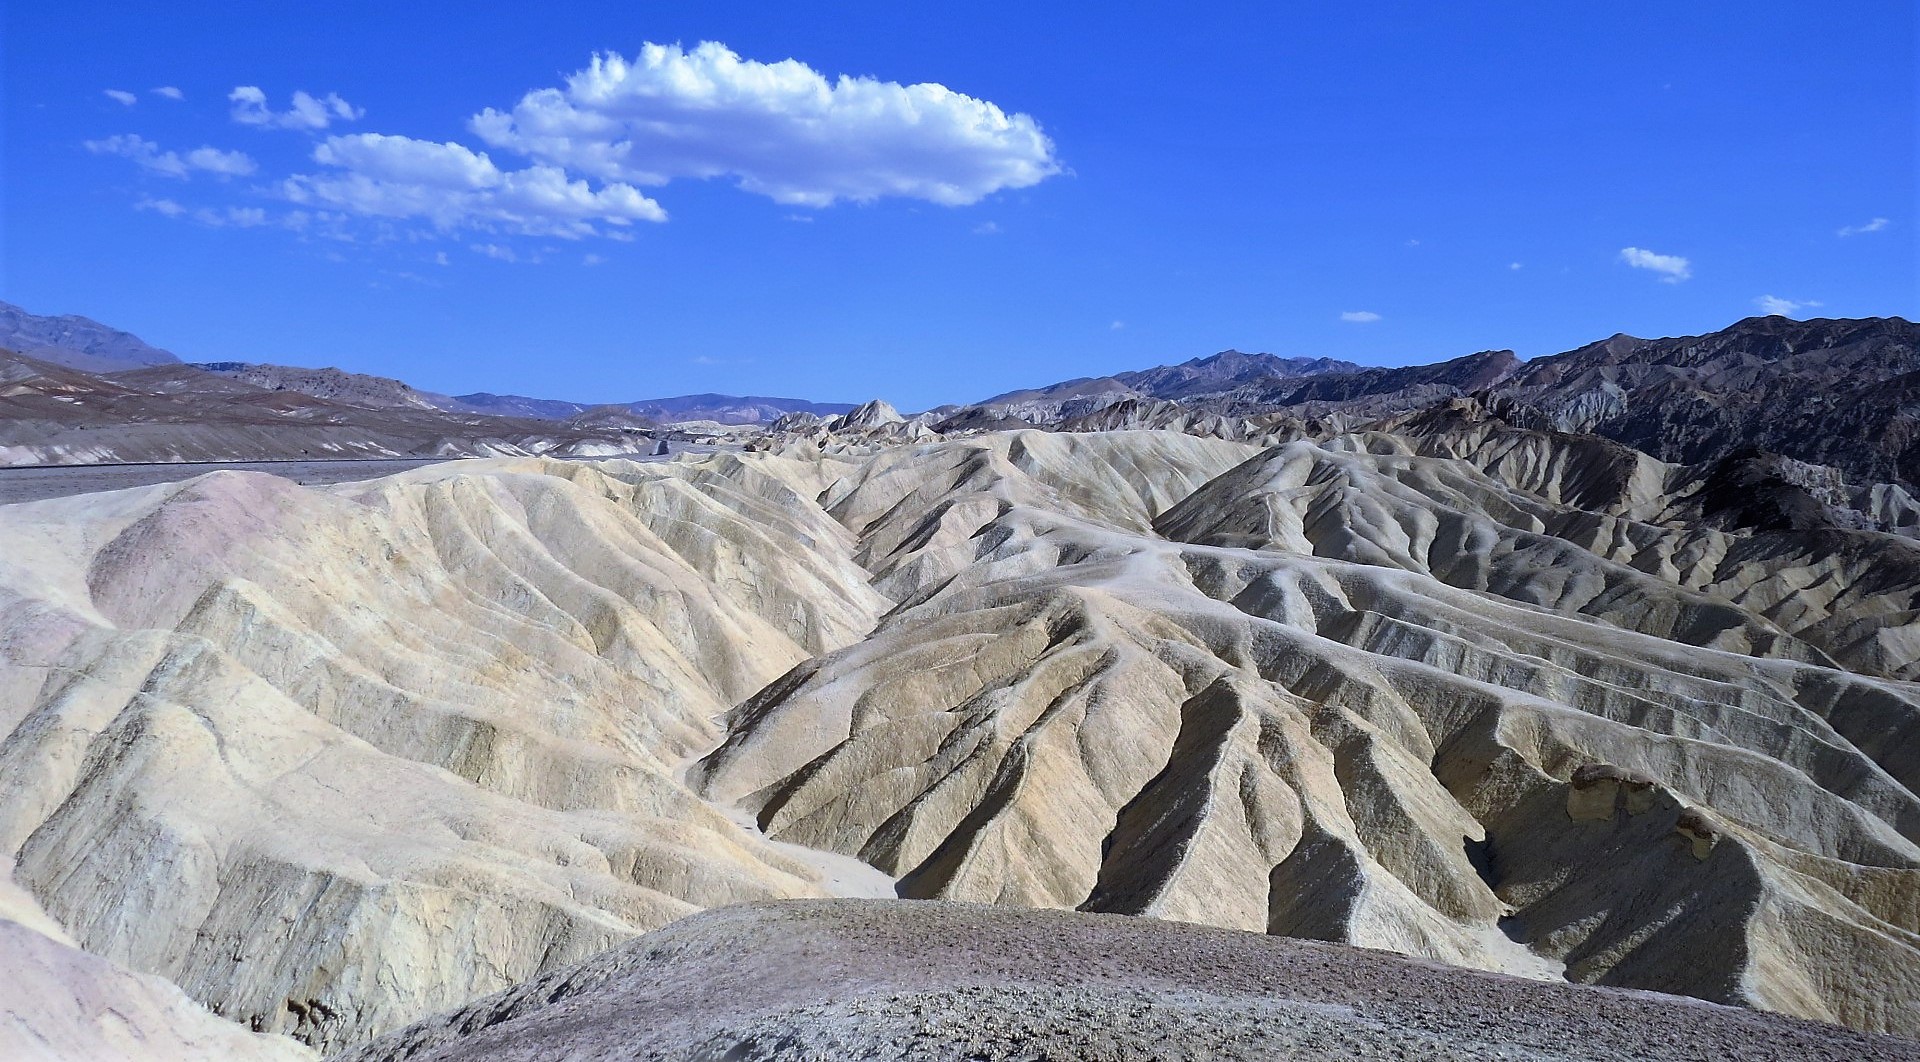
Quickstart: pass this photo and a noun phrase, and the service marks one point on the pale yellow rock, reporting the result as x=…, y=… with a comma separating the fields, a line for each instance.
x=332, y=760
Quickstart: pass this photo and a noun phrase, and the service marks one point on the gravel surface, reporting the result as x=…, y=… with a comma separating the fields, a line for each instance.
x=916, y=980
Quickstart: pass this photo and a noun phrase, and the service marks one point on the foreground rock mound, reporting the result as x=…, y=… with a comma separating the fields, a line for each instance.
x=939, y=981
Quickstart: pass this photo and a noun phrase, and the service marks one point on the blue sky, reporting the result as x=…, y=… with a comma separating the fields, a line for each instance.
x=1096, y=187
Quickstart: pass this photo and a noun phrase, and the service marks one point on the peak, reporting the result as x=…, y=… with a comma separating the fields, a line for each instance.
x=872, y=415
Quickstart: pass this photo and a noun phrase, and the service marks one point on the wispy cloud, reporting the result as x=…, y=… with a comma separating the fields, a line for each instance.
x=168, y=92
x=148, y=156
x=1872, y=226
x=120, y=96
x=216, y=217
x=987, y=228
x=307, y=112
x=1773, y=304
x=1672, y=268
x=1360, y=316
x=782, y=130
x=1516, y=265
x=496, y=252
x=1117, y=326
x=591, y=260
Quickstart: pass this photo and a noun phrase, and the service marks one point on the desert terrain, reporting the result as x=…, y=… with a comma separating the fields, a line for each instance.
x=1562, y=724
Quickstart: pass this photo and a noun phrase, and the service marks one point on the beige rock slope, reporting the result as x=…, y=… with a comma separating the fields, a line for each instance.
x=330, y=760
x=60, y=1004
x=1350, y=692
x=335, y=759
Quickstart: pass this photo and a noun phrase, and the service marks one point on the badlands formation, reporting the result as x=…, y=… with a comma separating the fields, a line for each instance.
x=332, y=761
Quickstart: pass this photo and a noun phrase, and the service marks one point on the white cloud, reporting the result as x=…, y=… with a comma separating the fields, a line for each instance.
x=495, y=251
x=225, y=163
x=1360, y=316
x=1672, y=268
x=591, y=260
x=168, y=92
x=1516, y=265
x=1773, y=304
x=171, y=164
x=987, y=228
x=224, y=217
x=236, y=217
x=1872, y=226
x=1116, y=326
x=781, y=130
x=307, y=112
x=454, y=187
x=120, y=96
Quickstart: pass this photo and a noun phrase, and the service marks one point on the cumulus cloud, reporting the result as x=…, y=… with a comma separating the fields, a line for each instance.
x=120, y=96
x=452, y=187
x=1360, y=316
x=1773, y=304
x=1851, y=230
x=148, y=156
x=169, y=92
x=1672, y=268
x=307, y=112
x=782, y=130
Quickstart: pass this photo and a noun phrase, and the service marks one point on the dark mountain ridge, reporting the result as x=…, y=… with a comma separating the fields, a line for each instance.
x=75, y=342
x=1839, y=392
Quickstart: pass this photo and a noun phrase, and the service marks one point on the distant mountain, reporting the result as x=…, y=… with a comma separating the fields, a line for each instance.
x=1225, y=370
x=54, y=414
x=1216, y=372
x=518, y=406
x=75, y=342
x=1371, y=392
x=1844, y=393
x=732, y=409
x=351, y=388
